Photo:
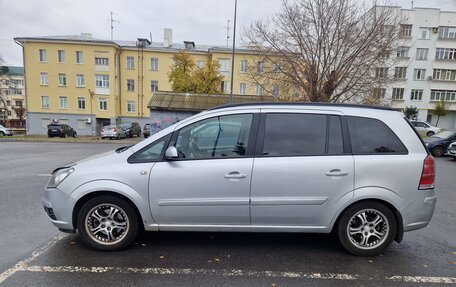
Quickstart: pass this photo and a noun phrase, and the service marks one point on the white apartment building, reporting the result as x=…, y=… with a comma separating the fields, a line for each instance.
x=425, y=70
x=12, y=105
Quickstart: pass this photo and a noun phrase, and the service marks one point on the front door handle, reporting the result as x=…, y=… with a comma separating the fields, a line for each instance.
x=336, y=172
x=235, y=175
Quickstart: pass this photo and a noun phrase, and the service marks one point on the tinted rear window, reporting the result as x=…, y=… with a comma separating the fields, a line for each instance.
x=372, y=136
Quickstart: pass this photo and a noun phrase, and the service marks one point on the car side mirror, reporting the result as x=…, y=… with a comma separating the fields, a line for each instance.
x=171, y=153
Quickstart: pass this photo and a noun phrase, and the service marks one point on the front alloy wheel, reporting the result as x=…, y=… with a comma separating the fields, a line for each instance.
x=367, y=228
x=107, y=223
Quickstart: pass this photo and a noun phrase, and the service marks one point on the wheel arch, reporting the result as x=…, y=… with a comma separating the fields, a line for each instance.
x=397, y=216
x=81, y=201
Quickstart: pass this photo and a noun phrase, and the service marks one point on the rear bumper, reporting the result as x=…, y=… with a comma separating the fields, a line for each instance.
x=418, y=213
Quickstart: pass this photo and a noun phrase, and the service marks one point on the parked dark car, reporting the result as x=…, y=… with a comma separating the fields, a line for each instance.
x=61, y=130
x=438, y=143
x=131, y=129
x=146, y=131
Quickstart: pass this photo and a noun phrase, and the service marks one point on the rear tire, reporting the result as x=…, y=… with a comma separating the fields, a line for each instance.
x=75, y=135
x=2, y=134
x=367, y=228
x=437, y=151
x=107, y=223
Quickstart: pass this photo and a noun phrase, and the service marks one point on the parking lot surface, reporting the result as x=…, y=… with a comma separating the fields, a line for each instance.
x=34, y=253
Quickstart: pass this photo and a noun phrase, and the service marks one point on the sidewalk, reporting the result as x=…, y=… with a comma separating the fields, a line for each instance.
x=79, y=139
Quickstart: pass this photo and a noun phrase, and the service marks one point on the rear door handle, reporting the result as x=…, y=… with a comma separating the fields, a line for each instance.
x=235, y=175
x=336, y=172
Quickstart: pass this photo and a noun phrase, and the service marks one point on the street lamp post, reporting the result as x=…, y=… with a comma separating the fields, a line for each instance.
x=91, y=113
x=232, y=52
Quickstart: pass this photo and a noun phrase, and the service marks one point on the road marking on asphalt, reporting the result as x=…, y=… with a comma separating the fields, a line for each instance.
x=19, y=266
x=44, y=174
x=233, y=273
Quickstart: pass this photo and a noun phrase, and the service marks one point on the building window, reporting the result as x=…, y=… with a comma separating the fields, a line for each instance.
x=44, y=79
x=425, y=33
x=381, y=72
x=379, y=93
x=102, y=81
x=101, y=61
x=406, y=30
x=61, y=56
x=260, y=67
x=275, y=90
x=444, y=75
x=43, y=55
x=80, y=82
x=79, y=57
x=445, y=53
x=242, y=88
x=224, y=65
x=154, y=64
x=402, y=52
x=223, y=86
x=103, y=104
x=18, y=103
x=131, y=106
x=62, y=80
x=422, y=53
x=400, y=72
x=45, y=102
x=416, y=95
x=385, y=54
x=259, y=90
x=398, y=94
x=419, y=74
x=447, y=32
x=130, y=85
x=153, y=86
x=63, y=102
x=81, y=103
x=244, y=66
x=200, y=64
x=445, y=95
x=130, y=63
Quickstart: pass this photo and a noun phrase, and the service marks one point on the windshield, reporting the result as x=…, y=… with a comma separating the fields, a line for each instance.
x=444, y=134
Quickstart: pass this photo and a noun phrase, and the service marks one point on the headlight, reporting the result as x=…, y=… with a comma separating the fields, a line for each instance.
x=59, y=176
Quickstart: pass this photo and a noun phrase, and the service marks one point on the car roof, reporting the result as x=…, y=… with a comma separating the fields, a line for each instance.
x=303, y=105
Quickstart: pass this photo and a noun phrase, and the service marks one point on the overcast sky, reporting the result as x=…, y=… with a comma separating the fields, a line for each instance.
x=202, y=21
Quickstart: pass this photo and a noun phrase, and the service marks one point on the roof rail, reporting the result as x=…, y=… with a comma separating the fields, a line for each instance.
x=300, y=104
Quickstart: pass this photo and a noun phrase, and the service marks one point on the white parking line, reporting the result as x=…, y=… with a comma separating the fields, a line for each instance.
x=24, y=266
x=233, y=273
x=24, y=263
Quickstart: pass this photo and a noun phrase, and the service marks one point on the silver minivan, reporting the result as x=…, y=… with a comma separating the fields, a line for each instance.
x=362, y=172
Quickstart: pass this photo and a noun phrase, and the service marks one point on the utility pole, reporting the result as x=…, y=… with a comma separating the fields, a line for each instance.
x=112, y=21
x=91, y=113
x=228, y=33
x=232, y=54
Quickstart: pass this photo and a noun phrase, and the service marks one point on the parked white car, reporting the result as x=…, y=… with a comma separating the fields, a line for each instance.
x=5, y=132
x=452, y=150
x=425, y=129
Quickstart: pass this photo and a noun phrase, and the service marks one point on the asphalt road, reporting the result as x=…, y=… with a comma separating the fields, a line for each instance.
x=32, y=255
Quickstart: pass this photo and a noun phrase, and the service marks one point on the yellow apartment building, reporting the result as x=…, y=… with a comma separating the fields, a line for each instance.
x=88, y=83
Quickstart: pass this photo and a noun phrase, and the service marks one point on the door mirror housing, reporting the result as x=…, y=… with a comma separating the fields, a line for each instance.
x=171, y=153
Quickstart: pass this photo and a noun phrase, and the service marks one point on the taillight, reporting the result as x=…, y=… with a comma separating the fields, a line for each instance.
x=114, y=129
x=428, y=173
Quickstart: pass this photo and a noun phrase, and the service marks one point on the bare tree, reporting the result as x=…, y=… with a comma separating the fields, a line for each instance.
x=325, y=51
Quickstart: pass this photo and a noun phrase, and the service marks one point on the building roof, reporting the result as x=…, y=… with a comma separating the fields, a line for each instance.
x=12, y=70
x=198, y=102
x=154, y=46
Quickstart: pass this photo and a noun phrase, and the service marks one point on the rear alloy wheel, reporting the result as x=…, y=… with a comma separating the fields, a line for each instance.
x=2, y=134
x=367, y=228
x=430, y=133
x=107, y=223
x=437, y=151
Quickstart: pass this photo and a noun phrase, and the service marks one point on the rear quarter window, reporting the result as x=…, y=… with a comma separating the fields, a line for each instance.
x=372, y=136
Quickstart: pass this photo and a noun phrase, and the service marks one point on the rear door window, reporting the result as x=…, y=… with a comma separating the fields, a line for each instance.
x=372, y=136
x=294, y=135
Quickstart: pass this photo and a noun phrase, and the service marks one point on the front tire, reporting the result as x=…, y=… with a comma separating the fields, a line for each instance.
x=437, y=151
x=367, y=228
x=430, y=133
x=2, y=134
x=107, y=223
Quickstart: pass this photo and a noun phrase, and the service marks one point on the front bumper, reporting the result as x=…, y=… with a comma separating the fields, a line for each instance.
x=418, y=213
x=452, y=152
x=58, y=207
x=8, y=132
